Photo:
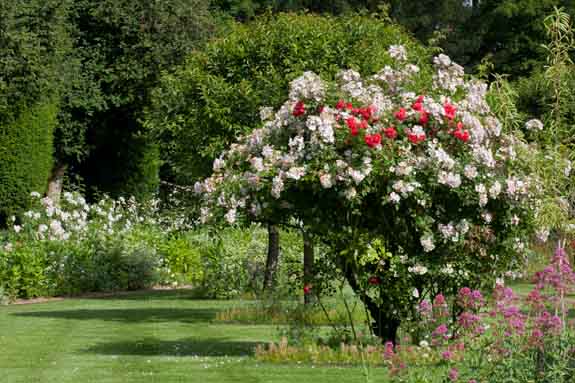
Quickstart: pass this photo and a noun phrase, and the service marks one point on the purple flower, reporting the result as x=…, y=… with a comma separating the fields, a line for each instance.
x=447, y=355
x=453, y=374
x=440, y=330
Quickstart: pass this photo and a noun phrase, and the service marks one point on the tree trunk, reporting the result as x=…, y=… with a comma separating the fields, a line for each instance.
x=272, y=258
x=56, y=182
x=308, y=260
x=384, y=324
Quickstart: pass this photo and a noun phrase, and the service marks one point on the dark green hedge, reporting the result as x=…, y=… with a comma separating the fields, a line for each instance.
x=33, y=43
x=25, y=156
x=217, y=95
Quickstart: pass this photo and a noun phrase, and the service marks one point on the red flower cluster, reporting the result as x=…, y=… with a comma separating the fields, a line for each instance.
x=307, y=289
x=416, y=138
x=343, y=105
x=390, y=132
x=401, y=114
x=449, y=110
x=353, y=126
x=298, y=109
x=418, y=104
x=460, y=133
x=372, y=140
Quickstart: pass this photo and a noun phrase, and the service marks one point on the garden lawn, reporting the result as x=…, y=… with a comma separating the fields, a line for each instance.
x=163, y=336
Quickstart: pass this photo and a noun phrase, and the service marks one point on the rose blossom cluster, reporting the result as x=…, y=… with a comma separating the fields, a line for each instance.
x=435, y=151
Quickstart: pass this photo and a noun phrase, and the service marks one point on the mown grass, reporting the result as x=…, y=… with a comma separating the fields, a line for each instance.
x=164, y=336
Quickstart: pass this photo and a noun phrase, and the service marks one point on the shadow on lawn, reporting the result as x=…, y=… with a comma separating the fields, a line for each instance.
x=129, y=315
x=148, y=295
x=183, y=347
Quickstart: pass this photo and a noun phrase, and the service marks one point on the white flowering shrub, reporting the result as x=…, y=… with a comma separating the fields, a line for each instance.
x=76, y=247
x=406, y=176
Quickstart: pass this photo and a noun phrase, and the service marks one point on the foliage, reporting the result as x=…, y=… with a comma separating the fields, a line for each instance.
x=120, y=49
x=282, y=352
x=516, y=25
x=201, y=108
x=399, y=177
x=247, y=9
x=182, y=258
x=292, y=313
x=33, y=41
x=548, y=93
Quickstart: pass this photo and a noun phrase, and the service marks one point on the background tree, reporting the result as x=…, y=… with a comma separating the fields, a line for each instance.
x=121, y=47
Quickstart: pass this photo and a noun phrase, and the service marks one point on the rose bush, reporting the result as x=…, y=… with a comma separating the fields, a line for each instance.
x=407, y=176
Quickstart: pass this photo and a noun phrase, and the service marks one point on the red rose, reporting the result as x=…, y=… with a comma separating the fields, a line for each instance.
x=307, y=289
x=368, y=112
x=423, y=117
x=340, y=105
x=299, y=109
x=415, y=138
x=449, y=111
x=401, y=114
x=390, y=132
x=460, y=134
x=372, y=140
x=352, y=125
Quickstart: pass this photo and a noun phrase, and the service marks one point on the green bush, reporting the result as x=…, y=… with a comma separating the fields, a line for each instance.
x=23, y=272
x=233, y=261
x=48, y=268
x=33, y=41
x=182, y=258
x=25, y=157
x=202, y=107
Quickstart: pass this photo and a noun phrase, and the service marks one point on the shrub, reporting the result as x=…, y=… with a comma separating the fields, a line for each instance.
x=233, y=261
x=182, y=258
x=32, y=44
x=121, y=48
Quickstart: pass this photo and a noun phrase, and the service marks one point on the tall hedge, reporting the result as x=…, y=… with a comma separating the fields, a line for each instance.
x=33, y=42
x=25, y=156
x=198, y=110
